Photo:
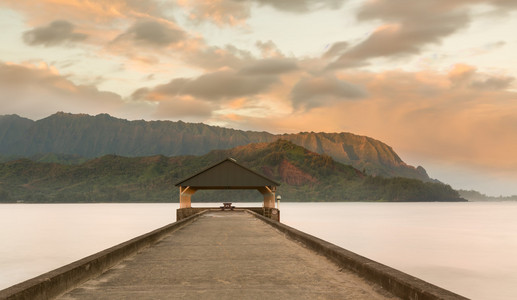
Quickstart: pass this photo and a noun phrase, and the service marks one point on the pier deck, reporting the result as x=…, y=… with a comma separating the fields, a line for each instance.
x=227, y=255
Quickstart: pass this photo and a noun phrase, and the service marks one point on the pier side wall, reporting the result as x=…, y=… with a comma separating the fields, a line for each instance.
x=271, y=213
x=182, y=213
x=396, y=282
x=58, y=281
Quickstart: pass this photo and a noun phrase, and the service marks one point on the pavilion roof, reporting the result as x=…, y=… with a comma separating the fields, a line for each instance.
x=227, y=174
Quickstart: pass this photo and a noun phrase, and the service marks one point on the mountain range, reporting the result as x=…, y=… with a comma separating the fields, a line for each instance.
x=304, y=176
x=78, y=137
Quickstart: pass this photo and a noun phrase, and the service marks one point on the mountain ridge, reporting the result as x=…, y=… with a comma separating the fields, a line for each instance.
x=93, y=136
x=304, y=176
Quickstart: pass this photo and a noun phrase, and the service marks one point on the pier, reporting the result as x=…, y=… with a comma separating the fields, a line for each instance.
x=226, y=255
x=226, y=252
x=218, y=254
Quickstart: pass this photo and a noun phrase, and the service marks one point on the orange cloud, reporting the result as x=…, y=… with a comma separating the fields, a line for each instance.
x=237, y=103
x=461, y=72
x=101, y=21
x=221, y=12
x=419, y=113
x=38, y=91
x=232, y=117
x=388, y=29
x=99, y=11
x=462, y=75
x=231, y=12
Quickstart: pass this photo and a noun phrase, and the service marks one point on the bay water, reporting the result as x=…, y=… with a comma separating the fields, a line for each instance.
x=468, y=248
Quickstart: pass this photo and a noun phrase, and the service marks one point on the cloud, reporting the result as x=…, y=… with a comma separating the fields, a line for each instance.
x=336, y=49
x=247, y=77
x=300, y=6
x=466, y=76
x=38, y=91
x=461, y=73
x=407, y=27
x=250, y=89
x=215, y=86
x=231, y=12
x=151, y=33
x=101, y=20
x=493, y=83
x=501, y=7
x=318, y=91
x=270, y=66
x=100, y=12
x=268, y=49
x=220, y=12
x=155, y=42
x=215, y=58
x=56, y=33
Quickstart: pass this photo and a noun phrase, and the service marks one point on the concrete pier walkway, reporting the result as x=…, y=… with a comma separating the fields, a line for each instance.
x=227, y=255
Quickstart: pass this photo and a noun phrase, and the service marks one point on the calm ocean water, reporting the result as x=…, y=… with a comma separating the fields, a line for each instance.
x=468, y=248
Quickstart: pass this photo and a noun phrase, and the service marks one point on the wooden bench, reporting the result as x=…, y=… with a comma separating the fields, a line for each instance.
x=227, y=205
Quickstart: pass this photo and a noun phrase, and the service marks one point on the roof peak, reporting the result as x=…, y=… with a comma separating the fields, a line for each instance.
x=221, y=175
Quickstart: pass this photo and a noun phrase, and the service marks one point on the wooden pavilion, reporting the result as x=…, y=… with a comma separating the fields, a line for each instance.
x=227, y=175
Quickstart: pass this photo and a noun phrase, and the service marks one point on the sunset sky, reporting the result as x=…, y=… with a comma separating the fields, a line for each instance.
x=434, y=79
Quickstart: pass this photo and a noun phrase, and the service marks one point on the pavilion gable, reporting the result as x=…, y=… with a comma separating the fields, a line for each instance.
x=227, y=174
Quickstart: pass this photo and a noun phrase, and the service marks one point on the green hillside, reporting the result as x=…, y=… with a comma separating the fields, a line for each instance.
x=304, y=175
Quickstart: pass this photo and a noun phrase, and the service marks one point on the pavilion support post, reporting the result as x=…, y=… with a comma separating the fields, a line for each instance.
x=185, y=196
x=269, y=196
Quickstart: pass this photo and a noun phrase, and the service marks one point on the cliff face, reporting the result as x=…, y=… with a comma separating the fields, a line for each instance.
x=362, y=152
x=93, y=136
x=12, y=129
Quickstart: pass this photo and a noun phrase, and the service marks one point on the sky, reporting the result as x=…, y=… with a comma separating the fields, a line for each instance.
x=434, y=79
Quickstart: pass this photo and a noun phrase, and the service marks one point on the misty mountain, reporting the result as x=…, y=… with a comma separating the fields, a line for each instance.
x=94, y=136
x=471, y=195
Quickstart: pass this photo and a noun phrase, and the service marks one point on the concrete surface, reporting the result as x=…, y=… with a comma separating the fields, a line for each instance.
x=227, y=255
